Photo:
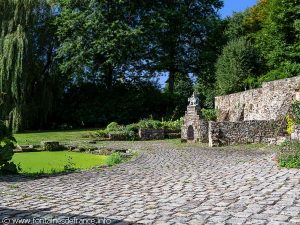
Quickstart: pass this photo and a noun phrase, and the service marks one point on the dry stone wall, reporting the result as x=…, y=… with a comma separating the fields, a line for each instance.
x=244, y=132
x=296, y=133
x=151, y=134
x=271, y=102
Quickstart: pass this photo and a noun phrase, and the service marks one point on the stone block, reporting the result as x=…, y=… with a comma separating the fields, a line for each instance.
x=151, y=134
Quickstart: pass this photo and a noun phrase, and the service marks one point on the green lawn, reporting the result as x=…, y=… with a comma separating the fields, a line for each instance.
x=37, y=137
x=53, y=162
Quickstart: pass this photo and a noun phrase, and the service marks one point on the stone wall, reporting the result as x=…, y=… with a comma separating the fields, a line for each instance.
x=244, y=132
x=296, y=133
x=271, y=102
x=151, y=134
x=117, y=137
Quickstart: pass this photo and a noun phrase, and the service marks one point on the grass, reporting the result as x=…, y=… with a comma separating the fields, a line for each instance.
x=36, y=137
x=289, y=154
x=55, y=162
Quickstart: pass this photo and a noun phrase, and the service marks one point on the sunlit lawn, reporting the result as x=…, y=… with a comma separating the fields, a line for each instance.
x=53, y=162
x=37, y=137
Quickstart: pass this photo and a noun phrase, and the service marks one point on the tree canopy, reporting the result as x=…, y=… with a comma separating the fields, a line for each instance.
x=91, y=62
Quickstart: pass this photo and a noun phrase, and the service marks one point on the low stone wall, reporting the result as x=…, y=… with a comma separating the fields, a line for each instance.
x=172, y=134
x=151, y=134
x=296, y=133
x=117, y=137
x=244, y=132
x=203, y=135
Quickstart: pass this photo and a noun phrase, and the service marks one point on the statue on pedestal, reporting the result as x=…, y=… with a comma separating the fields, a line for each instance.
x=194, y=100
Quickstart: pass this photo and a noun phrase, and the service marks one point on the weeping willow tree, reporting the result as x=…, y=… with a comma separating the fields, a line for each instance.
x=25, y=58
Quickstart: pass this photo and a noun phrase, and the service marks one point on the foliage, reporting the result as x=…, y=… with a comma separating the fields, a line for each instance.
x=183, y=89
x=296, y=111
x=235, y=26
x=6, y=151
x=150, y=124
x=179, y=36
x=173, y=125
x=125, y=134
x=134, y=127
x=278, y=38
x=290, y=124
x=55, y=162
x=289, y=154
x=102, y=133
x=239, y=61
x=114, y=159
x=209, y=114
x=98, y=38
x=70, y=165
x=130, y=131
x=113, y=126
x=27, y=72
x=92, y=105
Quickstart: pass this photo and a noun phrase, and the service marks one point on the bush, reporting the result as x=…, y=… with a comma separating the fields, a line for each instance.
x=134, y=127
x=290, y=124
x=173, y=125
x=289, y=154
x=113, y=126
x=102, y=133
x=209, y=114
x=150, y=124
x=125, y=134
x=114, y=159
x=6, y=151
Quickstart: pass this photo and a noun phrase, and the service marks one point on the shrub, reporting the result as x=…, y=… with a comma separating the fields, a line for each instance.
x=125, y=134
x=113, y=126
x=289, y=154
x=134, y=127
x=70, y=165
x=290, y=124
x=150, y=124
x=6, y=151
x=102, y=133
x=173, y=125
x=114, y=159
x=209, y=114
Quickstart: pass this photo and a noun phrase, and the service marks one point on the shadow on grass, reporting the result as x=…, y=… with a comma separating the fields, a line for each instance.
x=45, y=216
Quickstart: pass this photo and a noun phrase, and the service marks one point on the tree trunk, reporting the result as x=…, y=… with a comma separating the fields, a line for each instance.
x=109, y=76
x=171, y=80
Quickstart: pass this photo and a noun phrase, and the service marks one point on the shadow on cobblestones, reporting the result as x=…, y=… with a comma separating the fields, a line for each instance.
x=44, y=216
x=24, y=178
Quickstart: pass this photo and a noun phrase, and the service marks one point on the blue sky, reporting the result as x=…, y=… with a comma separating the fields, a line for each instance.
x=231, y=6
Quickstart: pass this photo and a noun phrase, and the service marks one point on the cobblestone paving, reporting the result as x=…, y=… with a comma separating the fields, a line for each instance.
x=165, y=185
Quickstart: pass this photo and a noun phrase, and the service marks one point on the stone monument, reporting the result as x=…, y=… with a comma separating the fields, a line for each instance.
x=194, y=129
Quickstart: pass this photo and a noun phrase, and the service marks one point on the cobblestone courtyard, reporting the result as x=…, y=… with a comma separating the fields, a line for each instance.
x=166, y=184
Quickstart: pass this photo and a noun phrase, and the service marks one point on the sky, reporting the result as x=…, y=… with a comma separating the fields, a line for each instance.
x=231, y=6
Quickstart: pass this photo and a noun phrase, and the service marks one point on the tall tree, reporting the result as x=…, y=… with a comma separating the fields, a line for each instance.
x=237, y=67
x=178, y=30
x=26, y=50
x=279, y=37
x=98, y=39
